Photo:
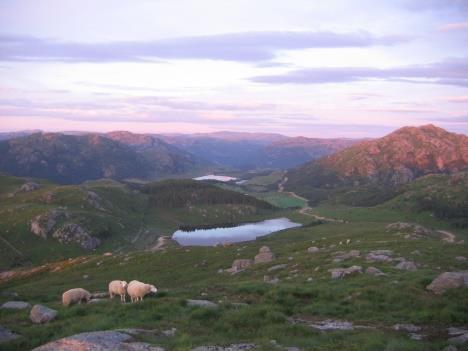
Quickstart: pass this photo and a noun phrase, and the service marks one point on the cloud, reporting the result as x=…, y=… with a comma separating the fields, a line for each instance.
x=457, y=6
x=450, y=72
x=453, y=27
x=240, y=47
x=458, y=99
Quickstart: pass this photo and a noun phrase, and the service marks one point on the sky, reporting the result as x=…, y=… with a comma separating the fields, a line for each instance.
x=335, y=68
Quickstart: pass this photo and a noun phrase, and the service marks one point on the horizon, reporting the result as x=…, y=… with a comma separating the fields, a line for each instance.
x=341, y=70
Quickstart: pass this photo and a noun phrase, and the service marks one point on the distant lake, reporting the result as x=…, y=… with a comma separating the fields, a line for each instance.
x=219, y=178
x=243, y=232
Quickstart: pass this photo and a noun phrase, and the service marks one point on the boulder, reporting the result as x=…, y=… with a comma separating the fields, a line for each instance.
x=407, y=266
x=313, y=249
x=74, y=233
x=277, y=267
x=374, y=271
x=448, y=280
x=264, y=255
x=410, y=328
x=343, y=272
x=240, y=264
x=202, y=303
x=109, y=340
x=270, y=280
x=379, y=256
x=16, y=305
x=7, y=335
x=42, y=314
x=29, y=186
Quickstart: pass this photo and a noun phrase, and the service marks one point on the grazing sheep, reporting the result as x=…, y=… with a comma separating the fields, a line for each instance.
x=118, y=287
x=137, y=290
x=76, y=295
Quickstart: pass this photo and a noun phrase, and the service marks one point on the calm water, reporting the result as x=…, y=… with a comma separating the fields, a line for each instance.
x=244, y=232
x=219, y=178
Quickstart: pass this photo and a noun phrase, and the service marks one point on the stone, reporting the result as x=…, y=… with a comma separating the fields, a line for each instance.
x=240, y=264
x=97, y=300
x=16, y=305
x=29, y=186
x=341, y=256
x=43, y=224
x=460, y=258
x=379, y=256
x=270, y=280
x=448, y=280
x=313, y=249
x=459, y=340
x=374, y=271
x=277, y=267
x=169, y=332
x=450, y=348
x=332, y=325
x=407, y=266
x=109, y=340
x=7, y=335
x=201, y=303
x=41, y=314
x=74, y=233
x=410, y=328
x=232, y=347
x=99, y=295
x=264, y=255
x=343, y=272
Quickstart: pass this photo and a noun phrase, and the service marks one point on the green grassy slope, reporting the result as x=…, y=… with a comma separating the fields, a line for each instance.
x=305, y=289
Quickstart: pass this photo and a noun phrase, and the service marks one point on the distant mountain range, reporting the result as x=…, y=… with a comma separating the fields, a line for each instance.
x=73, y=157
x=382, y=164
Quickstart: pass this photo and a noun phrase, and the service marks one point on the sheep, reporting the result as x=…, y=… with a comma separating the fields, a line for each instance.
x=118, y=287
x=137, y=290
x=76, y=295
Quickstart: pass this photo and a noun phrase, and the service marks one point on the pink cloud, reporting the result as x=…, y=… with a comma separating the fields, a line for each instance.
x=453, y=26
x=458, y=99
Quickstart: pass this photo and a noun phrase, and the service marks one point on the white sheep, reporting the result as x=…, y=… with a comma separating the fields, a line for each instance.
x=76, y=295
x=118, y=287
x=137, y=290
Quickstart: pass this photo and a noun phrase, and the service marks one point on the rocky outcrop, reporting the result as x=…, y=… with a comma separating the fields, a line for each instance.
x=202, y=303
x=98, y=341
x=374, y=271
x=74, y=233
x=379, y=256
x=232, y=347
x=239, y=265
x=343, y=272
x=407, y=266
x=448, y=280
x=341, y=256
x=41, y=314
x=264, y=255
x=43, y=224
x=412, y=230
x=16, y=305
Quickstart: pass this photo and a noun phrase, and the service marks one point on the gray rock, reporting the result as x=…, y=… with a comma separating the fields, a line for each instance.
x=7, y=335
x=450, y=348
x=42, y=314
x=270, y=280
x=16, y=305
x=43, y=224
x=379, y=256
x=460, y=258
x=411, y=328
x=332, y=325
x=277, y=267
x=459, y=340
x=343, y=272
x=202, y=303
x=97, y=300
x=346, y=255
x=407, y=266
x=264, y=255
x=99, y=295
x=169, y=332
x=448, y=280
x=313, y=249
x=232, y=347
x=29, y=186
x=98, y=341
x=374, y=271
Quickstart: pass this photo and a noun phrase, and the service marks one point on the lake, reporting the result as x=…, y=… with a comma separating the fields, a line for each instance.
x=243, y=232
x=219, y=178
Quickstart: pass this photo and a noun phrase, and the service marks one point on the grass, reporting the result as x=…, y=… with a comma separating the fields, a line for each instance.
x=191, y=272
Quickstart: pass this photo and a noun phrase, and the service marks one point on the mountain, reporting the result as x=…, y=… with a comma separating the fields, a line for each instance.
x=382, y=165
x=19, y=134
x=247, y=151
x=164, y=159
x=70, y=158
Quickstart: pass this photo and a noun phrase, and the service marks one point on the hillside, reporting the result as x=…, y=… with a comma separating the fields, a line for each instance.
x=379, y=167
x=42, y=221
x=70, y=158
x=163, y=158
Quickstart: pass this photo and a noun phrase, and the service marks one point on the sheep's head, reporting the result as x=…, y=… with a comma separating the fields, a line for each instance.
x=124, y=284
x=153, y=289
